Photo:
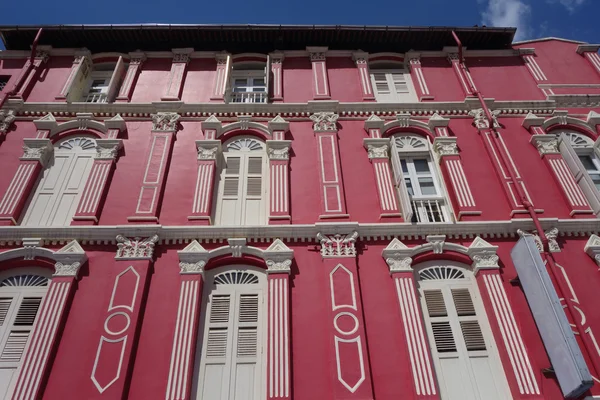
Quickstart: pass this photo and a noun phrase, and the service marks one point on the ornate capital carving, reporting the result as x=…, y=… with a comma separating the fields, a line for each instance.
x=278, y=266
x=480, y=119
x=207, y=154
x=378, y=151
x=165, y=121
x=338, y=245
x=445, y=146
x=278, y=124
x=453, y=57
x=107, y=149
x=592, y=248
x=135, y=249
x=192, y=268
x=181, y=58
x=483, y=255
x=6, y=119
x=552, y=235
x=324, y=121
x=37, y=149
x=317, y=56
x=546, y=144
x=399, y=264
x=279, y=154
x=437, y=243
x=61, y=269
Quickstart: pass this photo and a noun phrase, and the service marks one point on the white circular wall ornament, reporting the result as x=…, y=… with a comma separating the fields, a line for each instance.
x=351, y=331
x=113, y=315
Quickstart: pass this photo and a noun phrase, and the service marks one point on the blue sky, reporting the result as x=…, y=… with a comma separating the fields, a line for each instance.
x=572, y=19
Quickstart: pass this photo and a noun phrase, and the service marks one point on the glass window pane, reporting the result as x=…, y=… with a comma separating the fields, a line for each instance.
x=259, y=81
x=404, y=167
x=421, y=166
x=587, y=162
x=427, y=187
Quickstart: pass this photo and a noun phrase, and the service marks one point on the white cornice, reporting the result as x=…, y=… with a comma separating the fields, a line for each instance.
x=286, y=110
x=297, y=233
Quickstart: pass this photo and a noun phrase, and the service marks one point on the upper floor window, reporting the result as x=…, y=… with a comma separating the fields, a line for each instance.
x=230, y=363
x=3, y=82
x=248, y=83
x=98, y=85
x=55, y=199
x=242, y=187
x=392, y=84
x=419, y=187
x=21, y=295
x=581, y=155
x=464, y=352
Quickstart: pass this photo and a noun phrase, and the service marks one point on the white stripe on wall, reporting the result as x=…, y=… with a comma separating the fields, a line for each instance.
x=421, y=79
x=457, y=173
x=279, y=373
x=567, y=181
x=511, y=336
x=595, y=60
x=535, y=69
x=413, y=330
x=16, y=188
x=182, y=341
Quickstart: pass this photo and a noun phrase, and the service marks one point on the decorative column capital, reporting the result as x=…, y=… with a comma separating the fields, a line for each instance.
x=82, y=56
x=480, y=119
x=413, y=58
x=192, y=259
x=325, y=121
x=278, y=124
x=208, y=149
x=592, y=248
x=585, y=48
x=222, y=58
x=278, y=149
x=277, y=57
x=593, y=118
x=546, y=144
x=360, y=57
x=437, y=121
x=278, y=258
x=37, y=149
x=398, y=256
x=532, y=120
x=165, y=122
x=6, y=119
x=445, y=146
x=338, y=245
x=483, y=255
x=377, y=147
x=374, y=122
x=135, y=249
x=181, y=55
x=69, y=259
x=317, y=53
x=213, y=123
x=108, y=149
x=137, y=58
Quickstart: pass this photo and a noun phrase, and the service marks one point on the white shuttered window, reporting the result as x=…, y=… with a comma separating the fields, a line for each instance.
x=465, y=356
x=231, y=364
x=243, y=187
x=20, y=300
x=61, y=184
x=392, y=86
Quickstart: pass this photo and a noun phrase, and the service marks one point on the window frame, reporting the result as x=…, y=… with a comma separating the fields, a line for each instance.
x=237, y=290
x=393, y=96
x=245, y=71
x=242, y=182
x=481, y=316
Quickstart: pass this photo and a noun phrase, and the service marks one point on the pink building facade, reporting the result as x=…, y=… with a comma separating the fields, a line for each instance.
x=266, y=212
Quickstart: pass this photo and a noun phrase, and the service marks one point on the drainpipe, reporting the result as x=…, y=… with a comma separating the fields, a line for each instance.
x=24, y=72
x=526, y=203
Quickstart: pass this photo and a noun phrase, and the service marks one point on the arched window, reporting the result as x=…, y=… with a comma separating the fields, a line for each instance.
x=21, y=294
x=581, y=156
x=248, y=83
x=421, y=191
x=242, y=187
x=55, y=199
x=392, y=83
x=230, y=362
x=462, y=345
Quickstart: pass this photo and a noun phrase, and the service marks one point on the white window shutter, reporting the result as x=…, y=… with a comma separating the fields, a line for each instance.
x=268, y=78
x=405, y=204
x=5, y=303
x=580, y=174
x=231, y=193
x=115, y=79
x=253, y=203
x=80, y=81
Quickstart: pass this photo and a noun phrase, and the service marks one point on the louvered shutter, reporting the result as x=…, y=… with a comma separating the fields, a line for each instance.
x=405, y=203
x=231, y=194
x=216, y=355
x=19, y=329
x=381, y=87
x=581, y=176
x=247, y=352
x=80, y=82
x=253, y=195
x=115, y=79
x=268, y=88
x=5, y=303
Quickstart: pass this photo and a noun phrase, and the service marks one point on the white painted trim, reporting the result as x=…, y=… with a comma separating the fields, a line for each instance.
x=111, y=305
x=356, y=340
x=101, y=389
x=334, y=305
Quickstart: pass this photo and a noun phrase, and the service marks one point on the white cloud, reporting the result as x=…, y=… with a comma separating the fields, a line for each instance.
x=570, y=5
x=515, y=13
